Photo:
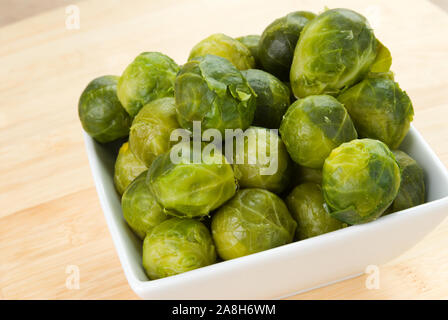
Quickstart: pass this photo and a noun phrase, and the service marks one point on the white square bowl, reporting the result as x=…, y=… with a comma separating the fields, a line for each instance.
x=288, y=269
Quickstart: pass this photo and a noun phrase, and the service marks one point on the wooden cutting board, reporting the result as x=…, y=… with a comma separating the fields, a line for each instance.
x=50, y=218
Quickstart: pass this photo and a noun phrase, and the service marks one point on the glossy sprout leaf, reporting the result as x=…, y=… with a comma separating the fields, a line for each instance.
x=307, y=206
x=140, y=209
x=226, y=47
x=211, y=90
x=127, y=168
x=149, y=77
x=313, y=126
x=188, y=188
x=412, y=187
x=176, y=246
x=361, y=178
x=272, y=98
x=151, y=129
x=383, y=59
x=253, y=221
x=101, y=113
x=278, y=41
x=265, y=161
x=252, y=43
x=379, y=109
x=335, y=50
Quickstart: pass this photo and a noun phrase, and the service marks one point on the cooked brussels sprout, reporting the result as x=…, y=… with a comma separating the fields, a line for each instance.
x=361, y=178
x=101, y=113
x=224, y=46
x=151, y=129
x=253, y=170
x=175, y=246
x=383, y=59
x=140, y=209
x=379, y=109
x=307, y=206
x=127, y=168
x=304, y=174
x=211, y=90
x=277, y=43
x=412, y=187
x=313, y=126
x=335, y=50
x=251, y=42
x=254, y=220
x=186, y=188
x=272, y=98
x=150, y=76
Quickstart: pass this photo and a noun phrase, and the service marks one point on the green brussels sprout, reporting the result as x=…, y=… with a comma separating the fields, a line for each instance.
x=361, y=178
x=175, y=246
x=127, y=168
x=140, y=209
x=304, y=174
x=211, y=90
x=307, y=206
x=335, y=50
x=251, y=42
x=253, y=221
x=253, y=170
x=313, y=126
x=101, y=113
x=412, y=187
x=149, y=77
x=383, y=59
x=226, y=47
x=277, y=43
x=151, y=130
x=188, y=188
x=272, y=98
x=379, y=109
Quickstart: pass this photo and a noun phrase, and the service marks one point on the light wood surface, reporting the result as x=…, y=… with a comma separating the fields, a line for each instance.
x=50, y=216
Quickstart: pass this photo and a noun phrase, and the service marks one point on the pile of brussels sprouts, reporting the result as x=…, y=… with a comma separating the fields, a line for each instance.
x=323, y=81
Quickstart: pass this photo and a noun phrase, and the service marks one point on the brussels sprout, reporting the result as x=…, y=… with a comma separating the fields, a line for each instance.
x=211, y=90
x=151, y=129
x=313, y=126
x=101, y=113
x=140, y=209
x=379, y=109
x=412, y=187
x=335, y=50
x=307, y=207
x=272, y=98
x=361, y=178
x=251, y=42
x=127, y=168
x=187, y=188
x=254, y=170
x=277, y=43
x=254, y=220
x=224, y=46
x=175, y=246
x=150, y=76
x=383, y=59
x=304, y=174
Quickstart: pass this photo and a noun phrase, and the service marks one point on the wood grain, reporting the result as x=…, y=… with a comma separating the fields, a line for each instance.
x=50, y=216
